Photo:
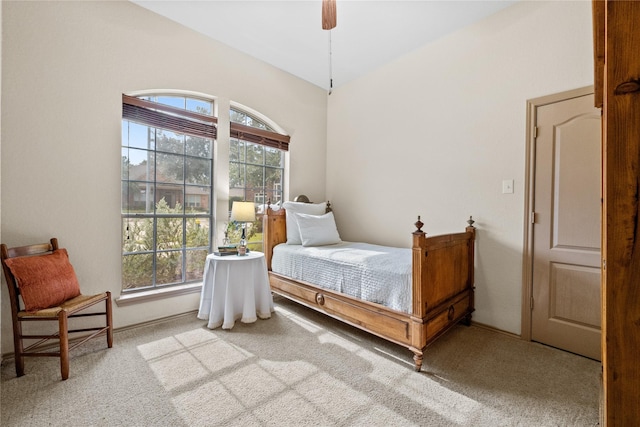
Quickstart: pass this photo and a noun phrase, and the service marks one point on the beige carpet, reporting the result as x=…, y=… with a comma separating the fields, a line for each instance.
x=301, y=368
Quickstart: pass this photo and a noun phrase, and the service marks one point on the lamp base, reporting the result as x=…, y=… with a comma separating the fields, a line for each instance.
x=242, y=246
x=242, y=249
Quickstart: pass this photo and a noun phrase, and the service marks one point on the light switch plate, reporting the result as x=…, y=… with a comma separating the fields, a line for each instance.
x=507, y=186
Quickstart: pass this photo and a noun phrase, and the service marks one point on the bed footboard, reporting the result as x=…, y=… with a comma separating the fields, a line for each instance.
x=443, y=284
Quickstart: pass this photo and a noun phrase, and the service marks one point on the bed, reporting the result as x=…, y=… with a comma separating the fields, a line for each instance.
x=438, y=277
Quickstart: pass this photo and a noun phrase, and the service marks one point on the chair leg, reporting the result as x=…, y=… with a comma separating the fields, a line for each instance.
x=18, y=348
x=64, y=344
x=109, y=321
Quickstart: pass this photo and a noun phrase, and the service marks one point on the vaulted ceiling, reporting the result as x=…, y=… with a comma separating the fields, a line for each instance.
x=288, y=33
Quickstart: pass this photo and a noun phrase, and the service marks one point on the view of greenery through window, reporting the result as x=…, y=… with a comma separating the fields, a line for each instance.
x=167, y=188
x=256, y=174
x=166, y=200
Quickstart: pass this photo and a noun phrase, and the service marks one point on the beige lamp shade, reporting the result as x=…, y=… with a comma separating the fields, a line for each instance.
x=243, y=212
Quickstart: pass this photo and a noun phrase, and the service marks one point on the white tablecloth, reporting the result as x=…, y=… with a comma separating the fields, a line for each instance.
x=235, y=287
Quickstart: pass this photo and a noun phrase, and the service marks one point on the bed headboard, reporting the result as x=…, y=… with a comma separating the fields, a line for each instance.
x=274, y=227
x=274, y=232
x=302, y=199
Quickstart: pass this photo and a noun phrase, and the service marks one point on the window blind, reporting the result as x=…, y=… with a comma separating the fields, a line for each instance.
x=260, y=136
x=167, y=117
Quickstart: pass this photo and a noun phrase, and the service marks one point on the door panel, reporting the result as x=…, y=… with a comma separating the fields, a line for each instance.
x=575, y=288
x=566, y=232
x=576, y=185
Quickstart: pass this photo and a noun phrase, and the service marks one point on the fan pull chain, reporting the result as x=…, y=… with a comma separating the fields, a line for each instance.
x=330, y=66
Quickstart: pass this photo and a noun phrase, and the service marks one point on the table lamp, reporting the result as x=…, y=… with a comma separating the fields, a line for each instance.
x=243, y=212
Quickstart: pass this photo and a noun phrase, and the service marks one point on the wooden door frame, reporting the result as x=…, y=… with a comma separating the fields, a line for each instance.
x=527, y=260
x=616, y=68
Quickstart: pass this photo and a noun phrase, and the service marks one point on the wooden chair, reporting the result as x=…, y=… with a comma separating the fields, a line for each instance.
x=44, y=269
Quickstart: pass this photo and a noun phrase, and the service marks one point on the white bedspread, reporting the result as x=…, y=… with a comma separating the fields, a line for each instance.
x=369, y=272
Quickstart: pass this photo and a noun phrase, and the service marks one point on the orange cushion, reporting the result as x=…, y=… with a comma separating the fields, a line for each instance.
x=46, y=280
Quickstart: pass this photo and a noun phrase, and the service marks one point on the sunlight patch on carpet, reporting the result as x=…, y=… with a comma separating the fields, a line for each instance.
x=330, y=338
x=208, y=403
x=263, y=385
x=306, y=324
x=184, y=358
x=456, y=407
x=289, y=372
x=427, y=393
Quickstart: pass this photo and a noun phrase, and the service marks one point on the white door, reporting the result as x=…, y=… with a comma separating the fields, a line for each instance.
x=566, y=231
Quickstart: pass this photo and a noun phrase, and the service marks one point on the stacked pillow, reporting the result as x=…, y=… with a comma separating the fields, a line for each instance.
x=318, y=230
x=263, y=208
x=309, y=225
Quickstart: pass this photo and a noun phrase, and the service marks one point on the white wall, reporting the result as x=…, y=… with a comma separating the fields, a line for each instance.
x=65, y=66
x=435, y=133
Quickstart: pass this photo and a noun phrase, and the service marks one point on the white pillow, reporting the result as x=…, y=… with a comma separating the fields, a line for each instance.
x=318, y=230
x=292, y=208
x=263, y=208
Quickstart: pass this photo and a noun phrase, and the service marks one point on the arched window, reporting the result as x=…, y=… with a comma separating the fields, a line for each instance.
x=167, y=191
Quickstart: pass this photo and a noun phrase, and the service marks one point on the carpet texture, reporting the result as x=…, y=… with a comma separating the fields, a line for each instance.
x=301, y=368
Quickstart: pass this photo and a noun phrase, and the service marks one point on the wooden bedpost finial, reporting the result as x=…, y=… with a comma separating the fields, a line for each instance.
x=418, y=225
x=470, y=221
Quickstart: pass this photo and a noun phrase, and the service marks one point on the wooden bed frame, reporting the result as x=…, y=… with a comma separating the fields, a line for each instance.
x=443, y=289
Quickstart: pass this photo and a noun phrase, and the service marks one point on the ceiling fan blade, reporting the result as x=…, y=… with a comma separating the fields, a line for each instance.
x=329, y=15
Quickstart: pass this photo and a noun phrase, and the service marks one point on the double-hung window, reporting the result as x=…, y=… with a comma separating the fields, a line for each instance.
x=167, y=191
